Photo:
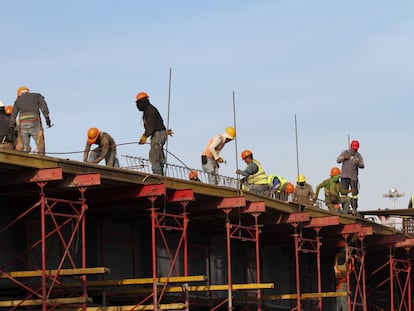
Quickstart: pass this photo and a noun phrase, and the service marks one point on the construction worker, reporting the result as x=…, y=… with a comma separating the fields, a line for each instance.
x=335, y=194
x=106, y=148
x=342, y=266
x=303, y=194
x=193, y=175
x=210, y=157
x=351, y=161
x=410, y=203
x=154, y=128
x=254, y=176
x=27, y=106
x=6, y=141
x=279, y=187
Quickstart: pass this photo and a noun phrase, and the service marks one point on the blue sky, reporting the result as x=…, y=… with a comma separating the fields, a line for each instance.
x=343, y=68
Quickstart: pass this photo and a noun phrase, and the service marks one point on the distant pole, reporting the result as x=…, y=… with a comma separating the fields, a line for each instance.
x=168, y=118
x=297, y=147
x=393, y=194
x=349, y=142
x=235, y=139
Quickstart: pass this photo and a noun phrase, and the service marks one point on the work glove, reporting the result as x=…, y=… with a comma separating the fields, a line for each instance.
x=220, y=160
x=48, y=122
x=238, y=172
x=143, y=140
x=170, y=132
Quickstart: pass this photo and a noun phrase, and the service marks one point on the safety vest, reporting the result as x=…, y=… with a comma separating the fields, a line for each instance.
x=282, y=181
x=340, y=273
x=260, y=177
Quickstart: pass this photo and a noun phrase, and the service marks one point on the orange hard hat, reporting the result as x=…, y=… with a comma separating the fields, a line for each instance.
x=22, y=89
x=335, y=171
x=8, y=109
x=193, y=174
x=245, y=154
x=289, y=188
x=93, y=134
x=355, y=145
x=141, y=95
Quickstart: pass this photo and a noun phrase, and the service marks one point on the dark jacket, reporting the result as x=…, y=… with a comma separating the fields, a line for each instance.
x=29, y=104
x=152, y=119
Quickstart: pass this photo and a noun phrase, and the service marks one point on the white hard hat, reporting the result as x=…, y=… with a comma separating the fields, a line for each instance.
x=1, y=104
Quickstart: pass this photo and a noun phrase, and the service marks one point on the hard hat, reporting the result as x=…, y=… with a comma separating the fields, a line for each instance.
x=93, y=134
x=355, y=145
x=301, y=178
x=9, y=109
x=141, y=95
x=193, y=174
x=231, y=131
x=22, y=89
x=289, y=188
x=1, y=104
x=335, y=171
x=245, y=154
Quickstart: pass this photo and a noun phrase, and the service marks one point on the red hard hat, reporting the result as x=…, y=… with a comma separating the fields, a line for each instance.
x=355, y=145
x=141, y=95
x=245, y=154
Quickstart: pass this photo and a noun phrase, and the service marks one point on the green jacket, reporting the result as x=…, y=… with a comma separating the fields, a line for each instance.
x=333, y=191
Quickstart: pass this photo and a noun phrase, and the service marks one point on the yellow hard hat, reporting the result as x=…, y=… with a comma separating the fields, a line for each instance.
x=22, y=89
x=301, y=178
x=93, y=134
x=231, y=131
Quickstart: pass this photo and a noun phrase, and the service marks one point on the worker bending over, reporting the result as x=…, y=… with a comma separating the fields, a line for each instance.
x=106, y=148
x=254, y=176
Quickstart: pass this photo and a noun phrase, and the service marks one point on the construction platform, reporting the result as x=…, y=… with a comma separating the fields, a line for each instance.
x=79, y=236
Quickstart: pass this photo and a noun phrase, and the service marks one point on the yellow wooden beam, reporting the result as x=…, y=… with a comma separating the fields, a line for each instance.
x=305, y=295
x=63, y=272
x=37, y=302
x=170, y=306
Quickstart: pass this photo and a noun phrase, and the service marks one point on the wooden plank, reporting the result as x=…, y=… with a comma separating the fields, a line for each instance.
x=181, y=195
x=143, y=281
x=305, y=296
x=233, y=202
x=389, y=212
x=199, y=288
x=84, y=180
x=255, y=207
x=38, y=302
x=47, y=174
x=298, y=217
x=323, y=222
x=170, y=306
x=62, y=272
x=351, y=228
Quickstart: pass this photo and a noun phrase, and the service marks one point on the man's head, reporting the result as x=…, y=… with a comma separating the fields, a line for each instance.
x=247, y=156
x=93, y=135
x=21, y=90
x=335, y=174
x=142, y=100
x=355, y=145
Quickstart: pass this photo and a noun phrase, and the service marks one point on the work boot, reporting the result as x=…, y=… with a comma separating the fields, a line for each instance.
x=354, y=203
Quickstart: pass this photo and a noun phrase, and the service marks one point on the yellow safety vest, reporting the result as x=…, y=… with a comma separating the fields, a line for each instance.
x=260, y=177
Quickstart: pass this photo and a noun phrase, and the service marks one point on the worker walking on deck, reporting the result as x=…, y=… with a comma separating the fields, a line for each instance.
x=335, y=194
x=155, y=129
x=303, y=194
x=254, y=176
x=106, y=148
x=28, y=106
x=6, y=141
x=351, y=161
x=210, y=157
x=279, y=187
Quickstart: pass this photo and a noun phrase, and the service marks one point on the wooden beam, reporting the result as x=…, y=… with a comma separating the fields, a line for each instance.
x=169, y=306
x=297, y=217
x=323, y=222
x=255, y=207
x=38, y=302
x=305, y=295
x=407, y=243
x=350, y=229
x=84, y=180
x=181, y=195
x=142, y=281
x=62, y=272
x=234, y=202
